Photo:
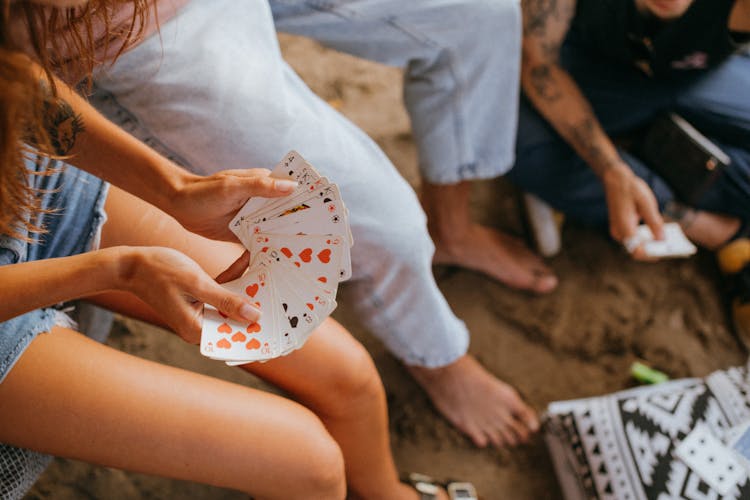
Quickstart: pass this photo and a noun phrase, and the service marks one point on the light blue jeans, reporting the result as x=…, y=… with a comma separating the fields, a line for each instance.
x=213, y=92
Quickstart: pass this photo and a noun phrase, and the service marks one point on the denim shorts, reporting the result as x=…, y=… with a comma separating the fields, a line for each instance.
x=77, y=200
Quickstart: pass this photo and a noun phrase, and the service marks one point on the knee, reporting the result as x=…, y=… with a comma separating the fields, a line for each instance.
x=323, y=475
x=357, y=385
x=313, y=467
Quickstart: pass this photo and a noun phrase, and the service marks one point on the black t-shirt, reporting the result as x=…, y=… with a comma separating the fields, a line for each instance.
x=700, y=39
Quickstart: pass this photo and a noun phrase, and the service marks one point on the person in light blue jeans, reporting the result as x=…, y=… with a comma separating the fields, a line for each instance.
x=212, y=91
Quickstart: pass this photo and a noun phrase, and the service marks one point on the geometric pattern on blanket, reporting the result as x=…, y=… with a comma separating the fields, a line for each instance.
x=621, y=446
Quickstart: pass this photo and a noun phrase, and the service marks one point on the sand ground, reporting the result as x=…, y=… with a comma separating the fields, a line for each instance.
x=579, y=341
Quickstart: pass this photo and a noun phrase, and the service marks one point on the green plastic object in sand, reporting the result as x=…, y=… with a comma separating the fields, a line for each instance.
x=647, y=375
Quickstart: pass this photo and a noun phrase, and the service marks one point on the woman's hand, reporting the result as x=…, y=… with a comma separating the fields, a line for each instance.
x=206, y=205
x=176, y=287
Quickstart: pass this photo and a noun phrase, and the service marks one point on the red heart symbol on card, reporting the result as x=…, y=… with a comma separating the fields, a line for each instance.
x=253, y=328
x=324, y=256
x=306, y=254
x=310, y=306
x=297, y=264
x=252, y=290
x=239, y=337
x=224, y=344
x=323, y=279
x=253, y=344
x=286, y=252
x=224, y=328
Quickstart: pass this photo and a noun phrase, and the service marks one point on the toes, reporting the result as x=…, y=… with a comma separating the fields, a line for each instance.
x=519, y=429
x=527, y=417
x=479, y=438
x=497, y=438
x=508, y=435
x=544, y=282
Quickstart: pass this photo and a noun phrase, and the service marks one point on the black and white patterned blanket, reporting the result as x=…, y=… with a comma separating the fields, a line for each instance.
x=621, y=446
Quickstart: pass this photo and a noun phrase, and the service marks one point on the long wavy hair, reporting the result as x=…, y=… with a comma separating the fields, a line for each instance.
x=63, y=42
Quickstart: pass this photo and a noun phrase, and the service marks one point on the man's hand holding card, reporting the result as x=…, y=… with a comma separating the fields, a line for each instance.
x=299, y=246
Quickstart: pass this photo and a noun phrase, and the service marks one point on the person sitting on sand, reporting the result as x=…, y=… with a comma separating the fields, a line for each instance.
x=597, y=71
x=212, y=89
x=66, y=233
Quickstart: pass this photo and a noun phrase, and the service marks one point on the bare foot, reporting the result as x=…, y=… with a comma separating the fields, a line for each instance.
x=498, y=255
x=461, y=242
x=484, y=408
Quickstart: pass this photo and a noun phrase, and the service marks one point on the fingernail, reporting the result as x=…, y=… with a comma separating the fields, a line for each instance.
x=286, y=185
x=249, y=312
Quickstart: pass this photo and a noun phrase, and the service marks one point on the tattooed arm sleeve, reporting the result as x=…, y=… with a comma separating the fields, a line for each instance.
x=552, y=90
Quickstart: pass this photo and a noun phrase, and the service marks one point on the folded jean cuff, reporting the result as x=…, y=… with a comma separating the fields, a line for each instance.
x=474, y=171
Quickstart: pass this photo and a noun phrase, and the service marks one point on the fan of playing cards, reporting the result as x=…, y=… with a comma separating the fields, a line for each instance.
x=299, y=246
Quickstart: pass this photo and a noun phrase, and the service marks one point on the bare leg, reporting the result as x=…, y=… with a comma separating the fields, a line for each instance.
x=350, y=399
x=483, y=407
x=460, y=241
x=333, y=374
x=70, y=396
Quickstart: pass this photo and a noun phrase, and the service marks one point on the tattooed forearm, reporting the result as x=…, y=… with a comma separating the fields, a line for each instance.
x=543, y=84
x=536, y=14
x=582, y=136
x=62, y=124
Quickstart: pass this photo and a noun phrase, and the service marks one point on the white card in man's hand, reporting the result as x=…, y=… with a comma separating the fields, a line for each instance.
x=674, y=244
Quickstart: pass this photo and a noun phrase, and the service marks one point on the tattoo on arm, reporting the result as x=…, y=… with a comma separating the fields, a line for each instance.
x=540, y=79
x=545, y=24
x=536, y=15
x=582, y=136
x=62, y=124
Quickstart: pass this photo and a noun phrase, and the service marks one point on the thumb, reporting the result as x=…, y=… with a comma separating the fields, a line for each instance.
x=265, y=185
x=231, y=304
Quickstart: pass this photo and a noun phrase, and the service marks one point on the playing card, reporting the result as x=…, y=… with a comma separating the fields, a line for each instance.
x=674, y=244
x=292, y=166
x=321, y=213
x=738, y=439
x=257, y=203
x=314, y=296
x=317, y=256
x=299, y=320
x=278, y=207
x=300, y=251
x=711, y=460
x=288, y=338
x=225, y=339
